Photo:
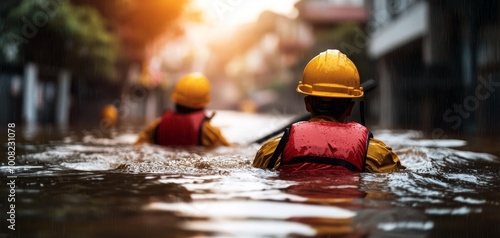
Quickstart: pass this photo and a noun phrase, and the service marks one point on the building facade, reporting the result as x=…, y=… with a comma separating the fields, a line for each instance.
x=438, y=65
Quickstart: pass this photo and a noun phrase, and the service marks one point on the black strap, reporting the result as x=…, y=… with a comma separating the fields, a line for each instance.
x=279, y=149
x=362, y=112
x=323, y=160
x=155, y=135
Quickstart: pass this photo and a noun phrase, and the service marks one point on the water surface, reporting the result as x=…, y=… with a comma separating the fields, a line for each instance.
x=93, y=186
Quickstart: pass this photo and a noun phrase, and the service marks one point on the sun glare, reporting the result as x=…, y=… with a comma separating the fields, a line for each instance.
x=236, y=12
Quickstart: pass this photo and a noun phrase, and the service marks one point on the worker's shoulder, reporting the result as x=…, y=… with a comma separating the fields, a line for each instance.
x=269, y=146
x=273, y=142
x=381, y=158
x=377, y=148
x=378, y=143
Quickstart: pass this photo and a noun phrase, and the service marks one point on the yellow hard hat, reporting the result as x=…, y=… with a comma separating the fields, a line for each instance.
x=192, y=91
x=331, y=74
x=109, y=114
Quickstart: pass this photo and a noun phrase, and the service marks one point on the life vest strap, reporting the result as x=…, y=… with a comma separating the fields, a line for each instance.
x=279, y=149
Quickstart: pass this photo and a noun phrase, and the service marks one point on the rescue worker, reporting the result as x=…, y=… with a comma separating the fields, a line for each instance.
x=187, y=125
x=109, y=115
x=330, y=81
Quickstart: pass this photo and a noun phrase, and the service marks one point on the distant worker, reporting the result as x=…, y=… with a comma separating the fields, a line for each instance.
x=330, y=81
x=109, y=115
x=187, y=125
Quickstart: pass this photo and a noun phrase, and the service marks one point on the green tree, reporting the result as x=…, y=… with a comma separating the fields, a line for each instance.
x=56, y=33
x=137, y=23
x=88, y=37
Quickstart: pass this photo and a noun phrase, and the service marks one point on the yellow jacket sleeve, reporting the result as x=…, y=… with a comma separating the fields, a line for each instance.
x=211, y=136
x=381, y=159
x=146, y=135
x=264, y=154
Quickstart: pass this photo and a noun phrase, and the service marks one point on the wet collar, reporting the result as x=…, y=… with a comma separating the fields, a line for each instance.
x=323, y=118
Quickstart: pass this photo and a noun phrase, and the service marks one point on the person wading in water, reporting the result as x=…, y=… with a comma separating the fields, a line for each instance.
x=327, y=142
x=187, y=125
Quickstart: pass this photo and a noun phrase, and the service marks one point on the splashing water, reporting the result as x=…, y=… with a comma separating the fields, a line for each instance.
x=105, y=187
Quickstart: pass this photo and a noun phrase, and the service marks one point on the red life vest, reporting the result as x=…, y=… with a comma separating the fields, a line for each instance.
x=325, y=146
x=180, y=129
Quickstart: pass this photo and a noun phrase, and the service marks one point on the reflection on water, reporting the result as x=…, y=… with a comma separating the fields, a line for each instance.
x=280, y=218
x=103, y=187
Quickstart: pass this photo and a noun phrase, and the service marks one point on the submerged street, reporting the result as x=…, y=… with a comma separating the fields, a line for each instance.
x=152, y=118
x=104, y=187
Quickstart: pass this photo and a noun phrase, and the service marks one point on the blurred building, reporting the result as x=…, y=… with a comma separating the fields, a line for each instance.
x=327, y=12
x=438, y=64
x=34, y=94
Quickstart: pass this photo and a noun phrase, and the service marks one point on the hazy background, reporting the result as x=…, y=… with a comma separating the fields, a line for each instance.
x=436, y=62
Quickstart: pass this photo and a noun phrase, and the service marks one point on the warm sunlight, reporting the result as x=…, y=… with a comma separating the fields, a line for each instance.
x=235, y=12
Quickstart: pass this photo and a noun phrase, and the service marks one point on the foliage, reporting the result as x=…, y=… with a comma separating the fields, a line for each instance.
x=137, y=23
x=60, y=34
x=86, y=36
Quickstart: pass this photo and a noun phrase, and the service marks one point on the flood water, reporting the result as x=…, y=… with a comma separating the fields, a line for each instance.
x=93, y=186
